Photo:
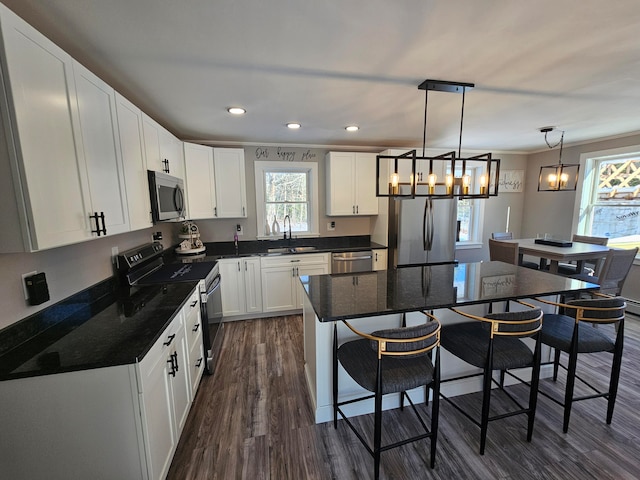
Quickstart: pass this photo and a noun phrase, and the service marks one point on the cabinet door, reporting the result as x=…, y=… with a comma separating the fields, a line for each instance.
x=160, y=437
x=232, y=287
x=172, y=151
x=134, y=163
x=47, y=160
x=196, y=366
x=101, y=151
x=278, y=288
x=340, y=183
x=180, y=383
x=199, y=178
x=151, y=131
x=365, y=181
x=231, y=197
x=252, y=285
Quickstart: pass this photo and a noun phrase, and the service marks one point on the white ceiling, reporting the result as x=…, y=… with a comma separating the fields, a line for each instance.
x=574, y=64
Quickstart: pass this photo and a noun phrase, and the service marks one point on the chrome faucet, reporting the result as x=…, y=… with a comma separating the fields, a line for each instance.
x=284, y=227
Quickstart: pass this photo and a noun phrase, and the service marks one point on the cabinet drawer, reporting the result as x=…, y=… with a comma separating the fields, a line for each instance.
x=285, y=260
x=165, y=344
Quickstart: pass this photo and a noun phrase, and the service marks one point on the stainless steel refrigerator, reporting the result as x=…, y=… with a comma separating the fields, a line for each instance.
x=422, y=231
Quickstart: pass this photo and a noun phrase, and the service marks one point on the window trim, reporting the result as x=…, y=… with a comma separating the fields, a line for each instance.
x=311, y=169
x=584, y=192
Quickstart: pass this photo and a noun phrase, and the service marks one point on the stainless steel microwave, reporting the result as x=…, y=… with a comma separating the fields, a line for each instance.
x=167, y=196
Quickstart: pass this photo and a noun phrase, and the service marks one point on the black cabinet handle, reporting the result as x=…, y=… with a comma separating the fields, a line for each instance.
x=199, y=362
x=173, y=370
x=195, y=327
x=169, y=340
x=98, y=217
x=165, y=164
x=175, y=357
x=194, y=303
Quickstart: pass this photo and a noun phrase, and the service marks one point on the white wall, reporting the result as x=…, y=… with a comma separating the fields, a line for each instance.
x=68, y=269
x=222, y=230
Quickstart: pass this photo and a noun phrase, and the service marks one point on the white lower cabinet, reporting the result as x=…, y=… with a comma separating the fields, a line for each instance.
x=241, y=286
x=281, y=287
x=165, y=393
x=115, y=422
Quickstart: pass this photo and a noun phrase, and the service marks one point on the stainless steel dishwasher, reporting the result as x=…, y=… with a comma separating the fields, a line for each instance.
x=349, y=262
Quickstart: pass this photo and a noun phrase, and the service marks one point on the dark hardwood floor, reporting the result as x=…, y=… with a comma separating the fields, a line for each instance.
x=253, y=420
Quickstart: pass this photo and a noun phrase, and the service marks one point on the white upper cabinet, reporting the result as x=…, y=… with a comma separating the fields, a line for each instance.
x=171, y=150
x=351, y=183
x=101, y=152
x=231, y=194
x=151, y=134
x=42, y=157
x=200, y=183
x=163, y=150
x=134, y=163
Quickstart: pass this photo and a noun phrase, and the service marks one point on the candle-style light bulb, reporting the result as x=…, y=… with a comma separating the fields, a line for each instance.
x=466, y=181
x=483, y=184
x=395, y=179
x=449, y=183
x=564, y=178
x=552, y=179
x=431, y=180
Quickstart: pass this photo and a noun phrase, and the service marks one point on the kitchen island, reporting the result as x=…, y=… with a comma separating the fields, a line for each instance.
x=375, y=300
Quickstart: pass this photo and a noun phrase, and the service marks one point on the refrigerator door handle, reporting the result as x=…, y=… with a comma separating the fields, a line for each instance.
x=427, y=225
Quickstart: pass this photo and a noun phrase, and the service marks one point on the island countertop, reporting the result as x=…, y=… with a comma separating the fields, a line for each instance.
x=354, y=295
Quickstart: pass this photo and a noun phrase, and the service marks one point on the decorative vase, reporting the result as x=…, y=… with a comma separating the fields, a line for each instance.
x=275, y=227
x=267, y=230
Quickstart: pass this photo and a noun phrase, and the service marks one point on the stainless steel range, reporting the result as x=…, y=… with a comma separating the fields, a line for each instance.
x=144, y=265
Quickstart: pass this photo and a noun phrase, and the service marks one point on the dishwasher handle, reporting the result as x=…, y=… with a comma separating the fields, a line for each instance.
x=352, y=259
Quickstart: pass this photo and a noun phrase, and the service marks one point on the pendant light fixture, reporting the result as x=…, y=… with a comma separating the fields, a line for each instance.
x=441, y=176
x=561, y=177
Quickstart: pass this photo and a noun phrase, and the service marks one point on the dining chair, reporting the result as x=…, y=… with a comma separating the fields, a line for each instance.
x=503, y=251
x=494, y=342
x=391, y=361
x=594, y=265
x=614, y=271
x=572, y=332
x=509, y=236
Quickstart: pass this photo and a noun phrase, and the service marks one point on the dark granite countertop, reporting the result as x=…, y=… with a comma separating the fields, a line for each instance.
x=354, y=295
x=218, y=250
x=89, y=330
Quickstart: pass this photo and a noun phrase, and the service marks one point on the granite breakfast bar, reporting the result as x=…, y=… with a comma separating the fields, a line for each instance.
x=379, y=299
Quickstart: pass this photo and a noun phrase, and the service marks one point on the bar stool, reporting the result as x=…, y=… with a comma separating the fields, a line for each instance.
x=493, y=342
x=391, y=361
x=572, y=332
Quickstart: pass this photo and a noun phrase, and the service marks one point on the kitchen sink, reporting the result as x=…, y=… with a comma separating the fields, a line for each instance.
x=281, y=250
x=302, y=249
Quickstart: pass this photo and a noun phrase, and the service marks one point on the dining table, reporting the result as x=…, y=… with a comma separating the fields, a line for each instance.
x=560, y=252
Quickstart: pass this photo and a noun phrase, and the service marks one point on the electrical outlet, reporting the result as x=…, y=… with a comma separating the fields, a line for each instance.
x=24, y=284
x=239, y=229
x=114, y=254
x=331, y=226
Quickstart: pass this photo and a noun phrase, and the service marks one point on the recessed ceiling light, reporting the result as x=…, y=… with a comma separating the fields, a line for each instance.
x=293, y=126
x=236, y=110
x=352, y=128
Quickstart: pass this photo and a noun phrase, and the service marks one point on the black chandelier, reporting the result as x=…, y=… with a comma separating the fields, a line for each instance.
x=441, y=176
x=561, y=177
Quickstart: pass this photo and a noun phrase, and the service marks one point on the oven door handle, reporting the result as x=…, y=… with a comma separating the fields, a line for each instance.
x=214, y=285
